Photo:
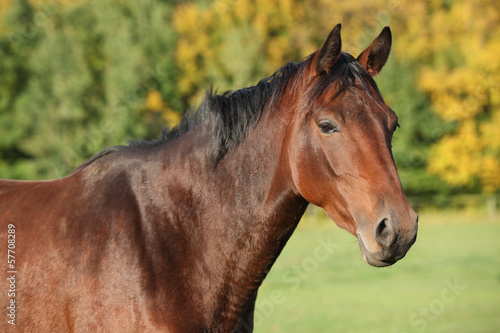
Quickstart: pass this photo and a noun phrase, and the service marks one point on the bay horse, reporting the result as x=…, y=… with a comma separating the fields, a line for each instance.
x=177, y=235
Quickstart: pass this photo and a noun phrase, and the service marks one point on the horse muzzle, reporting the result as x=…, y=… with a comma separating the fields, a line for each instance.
x=388, y=244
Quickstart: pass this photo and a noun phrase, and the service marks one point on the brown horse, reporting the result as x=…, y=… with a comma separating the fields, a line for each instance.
x=177, y=235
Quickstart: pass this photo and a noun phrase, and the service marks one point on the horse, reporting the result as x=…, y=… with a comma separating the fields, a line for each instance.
x=177, y=234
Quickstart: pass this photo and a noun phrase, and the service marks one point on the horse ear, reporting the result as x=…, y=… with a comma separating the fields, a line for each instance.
x=374, y=57
x=330, y=52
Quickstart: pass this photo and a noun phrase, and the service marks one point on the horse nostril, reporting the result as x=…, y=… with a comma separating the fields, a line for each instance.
x=384, y=233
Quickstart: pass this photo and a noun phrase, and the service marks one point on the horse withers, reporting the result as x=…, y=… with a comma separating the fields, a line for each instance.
x=177, y=235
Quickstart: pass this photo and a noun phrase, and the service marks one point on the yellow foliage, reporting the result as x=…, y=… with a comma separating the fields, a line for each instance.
x=278, y=47
x=457, y=95
x=172, y=118
x=491, y=132
x=490, y=175
x=4, y=5
x=455, y=43
x=154, y=103
x=244, y=11
x=461, y=42
x=271, y=32
x=458, y=156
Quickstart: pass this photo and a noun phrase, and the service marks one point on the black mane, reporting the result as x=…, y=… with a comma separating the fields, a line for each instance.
x=234, y=112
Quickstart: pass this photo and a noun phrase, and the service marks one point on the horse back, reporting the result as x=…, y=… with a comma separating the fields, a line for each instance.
x=76, y=255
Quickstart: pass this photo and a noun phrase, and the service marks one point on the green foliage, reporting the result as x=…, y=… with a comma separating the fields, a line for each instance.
x=75, y=78
x=420, y=127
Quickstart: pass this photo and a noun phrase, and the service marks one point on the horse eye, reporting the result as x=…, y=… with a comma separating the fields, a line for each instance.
x=327, y=127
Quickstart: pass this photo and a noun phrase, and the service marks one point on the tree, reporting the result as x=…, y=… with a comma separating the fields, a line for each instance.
x=420, y=127
x=233, y=43
x=15, y=51
x=79, y=77
x=463, y=82
x=236, y=44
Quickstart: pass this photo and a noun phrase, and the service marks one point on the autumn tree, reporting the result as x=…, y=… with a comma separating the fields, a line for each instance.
x=234, y=44
x=81, y=75
x=462, y=78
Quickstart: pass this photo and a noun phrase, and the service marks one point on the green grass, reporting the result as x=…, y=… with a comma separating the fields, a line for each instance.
x=310, y=290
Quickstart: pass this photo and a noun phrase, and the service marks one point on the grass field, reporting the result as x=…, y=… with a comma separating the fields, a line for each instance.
x=448, y=282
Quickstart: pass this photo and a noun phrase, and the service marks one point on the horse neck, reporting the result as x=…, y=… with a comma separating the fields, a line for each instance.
x=258, y=199
x=239, y=215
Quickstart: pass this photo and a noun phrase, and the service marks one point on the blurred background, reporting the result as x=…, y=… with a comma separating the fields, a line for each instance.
x=77, y=76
